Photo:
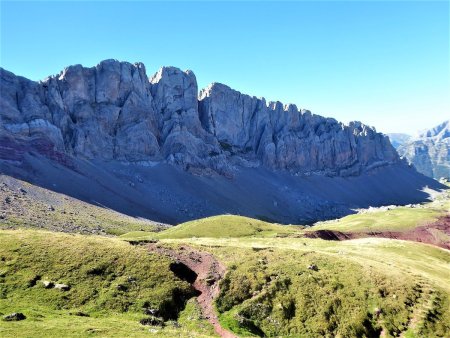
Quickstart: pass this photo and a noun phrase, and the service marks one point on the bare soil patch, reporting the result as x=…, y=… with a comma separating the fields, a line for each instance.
x=204, y=272
x=436, y=233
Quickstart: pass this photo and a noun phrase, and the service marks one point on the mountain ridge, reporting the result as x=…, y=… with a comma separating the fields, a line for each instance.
x=165, y=118
x=156, y=147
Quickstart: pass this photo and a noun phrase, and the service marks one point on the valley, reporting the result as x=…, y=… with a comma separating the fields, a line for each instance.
x=219, y=276
x=224, y=169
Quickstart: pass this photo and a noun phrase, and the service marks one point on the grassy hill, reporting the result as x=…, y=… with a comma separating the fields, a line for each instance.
x=111, y=283
x=397, y=219
x=270, y=288
x=217, y=227
x=278, y=283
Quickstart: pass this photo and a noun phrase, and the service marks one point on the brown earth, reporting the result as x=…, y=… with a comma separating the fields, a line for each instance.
x=436, y=233
x=204, y=272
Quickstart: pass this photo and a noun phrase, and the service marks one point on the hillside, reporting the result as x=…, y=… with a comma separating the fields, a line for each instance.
x=217, y=227
x=23, y=205
x=156, y=147
x=225, y=275
x=111, y=285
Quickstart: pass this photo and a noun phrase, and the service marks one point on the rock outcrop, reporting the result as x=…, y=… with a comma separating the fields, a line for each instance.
x=284, y=137
x=115, y=112
x=429, y=152
x=156, y=148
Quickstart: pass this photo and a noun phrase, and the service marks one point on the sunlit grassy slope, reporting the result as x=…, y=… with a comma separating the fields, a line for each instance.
x=270, y=289
x=217, y=227
x=391, y=220
x=110, y=281
x=277, y=284
x=398, y=219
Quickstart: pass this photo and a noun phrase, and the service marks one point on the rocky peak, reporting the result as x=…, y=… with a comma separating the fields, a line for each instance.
x=441, y=131
x=430, y=151
x=113, y=111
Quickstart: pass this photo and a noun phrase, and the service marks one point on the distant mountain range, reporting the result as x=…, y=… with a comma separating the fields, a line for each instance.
x=429, y=151
x=398, y=139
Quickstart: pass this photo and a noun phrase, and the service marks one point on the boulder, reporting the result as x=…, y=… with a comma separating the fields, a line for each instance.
x=62, y=287
x=48, y=284
x=16, y=316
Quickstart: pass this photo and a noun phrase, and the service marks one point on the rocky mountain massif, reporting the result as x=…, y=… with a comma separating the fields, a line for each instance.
x=429, y=152
x=154, y=147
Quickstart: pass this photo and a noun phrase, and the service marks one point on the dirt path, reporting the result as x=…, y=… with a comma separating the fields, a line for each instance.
x=204, y=272
x=437, y=233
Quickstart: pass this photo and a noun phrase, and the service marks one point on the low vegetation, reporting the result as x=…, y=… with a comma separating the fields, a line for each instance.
x=278, y=282
x=111, y=284
x=217, y=227
x=397, y=219
x=312, y=287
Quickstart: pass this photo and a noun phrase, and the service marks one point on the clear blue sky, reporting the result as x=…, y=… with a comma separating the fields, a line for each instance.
x=385, y=63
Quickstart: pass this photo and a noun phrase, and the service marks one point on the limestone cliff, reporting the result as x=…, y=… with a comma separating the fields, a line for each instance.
x=156, y=148
x=115, y=111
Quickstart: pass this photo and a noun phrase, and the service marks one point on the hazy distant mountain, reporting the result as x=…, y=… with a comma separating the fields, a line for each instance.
x=429, y=152
x=398, y=139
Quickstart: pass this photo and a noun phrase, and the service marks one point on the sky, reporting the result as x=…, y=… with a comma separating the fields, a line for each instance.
x=385, y=63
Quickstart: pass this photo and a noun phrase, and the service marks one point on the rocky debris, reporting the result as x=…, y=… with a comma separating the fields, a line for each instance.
x=151, y=311
x=429, y=152
x=16, y=316
x=153, y=321
x=313, y=267
x=62, y=287
x=42, y=208
x=48, y=284
x=53, y=285
x=114, y=111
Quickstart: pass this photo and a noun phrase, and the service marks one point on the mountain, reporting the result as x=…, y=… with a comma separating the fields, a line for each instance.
x=429, y=152
x=155, y=147
x=398, y=139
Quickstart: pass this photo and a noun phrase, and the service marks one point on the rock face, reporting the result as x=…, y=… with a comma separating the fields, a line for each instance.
x=156, y=148
x=283, y=137
x=430, y=151
x=115, y=112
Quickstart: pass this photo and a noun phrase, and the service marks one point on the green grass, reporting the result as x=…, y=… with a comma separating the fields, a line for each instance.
x=111, y=281
x=270, y=289
x=398, y=219
x=217, y=227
